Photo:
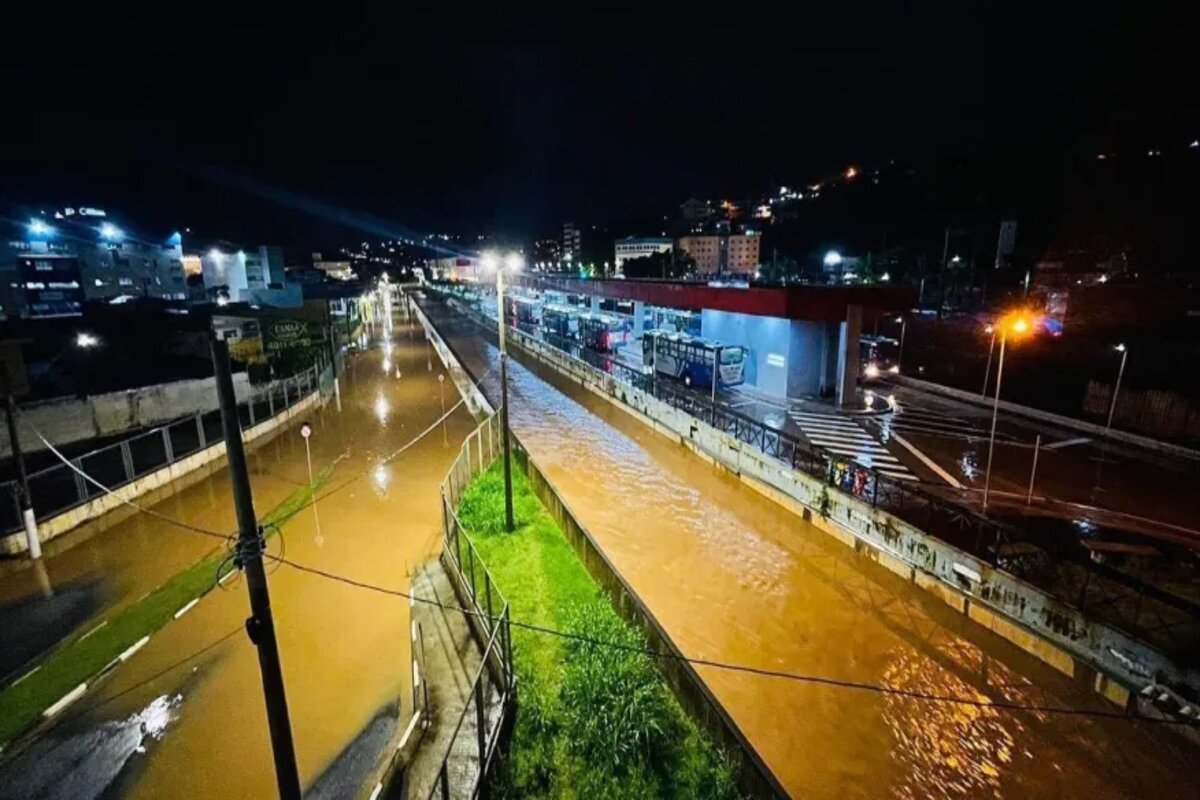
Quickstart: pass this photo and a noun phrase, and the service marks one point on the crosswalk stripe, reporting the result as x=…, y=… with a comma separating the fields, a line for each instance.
x=821, y=427
x=818, y=418
x=829, y=428
x=857, y=447
x=841, y=437
x=904, y=476
x=842, y=451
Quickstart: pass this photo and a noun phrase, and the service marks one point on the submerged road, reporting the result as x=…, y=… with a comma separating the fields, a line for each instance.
x=736, y=578
x=185, y=717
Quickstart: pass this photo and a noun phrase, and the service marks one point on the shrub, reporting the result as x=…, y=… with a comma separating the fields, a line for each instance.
x=614, y=699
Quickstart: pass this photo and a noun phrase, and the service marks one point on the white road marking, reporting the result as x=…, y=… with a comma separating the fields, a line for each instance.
x=133, y=648
x=1066, y=443
x=93, y=630
x=927, y=461
x=845, y=437
x=66, y=700
x=187, y=608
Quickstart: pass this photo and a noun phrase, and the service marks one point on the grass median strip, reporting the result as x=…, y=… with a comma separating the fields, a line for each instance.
x=593, y=721
x=82, y=659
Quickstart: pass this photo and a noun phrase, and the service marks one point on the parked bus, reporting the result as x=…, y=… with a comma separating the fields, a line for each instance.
x=561, y=320
x=603, y=333
x=691, y=359
x=527, y=311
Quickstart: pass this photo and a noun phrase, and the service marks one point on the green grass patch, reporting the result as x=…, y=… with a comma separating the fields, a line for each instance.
x=79, y=660
x=592, y=721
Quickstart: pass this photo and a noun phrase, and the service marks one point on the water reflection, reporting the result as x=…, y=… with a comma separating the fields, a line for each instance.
x=381, y=476
x=97, y=755
x=382, y=408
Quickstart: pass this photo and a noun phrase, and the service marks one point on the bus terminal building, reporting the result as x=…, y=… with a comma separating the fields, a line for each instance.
x=800, y=341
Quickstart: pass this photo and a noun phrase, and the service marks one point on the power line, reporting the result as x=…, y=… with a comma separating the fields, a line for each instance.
x=702, y=662
x=722, y=665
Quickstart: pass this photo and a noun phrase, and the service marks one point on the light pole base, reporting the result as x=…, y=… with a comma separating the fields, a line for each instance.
x=31, y=534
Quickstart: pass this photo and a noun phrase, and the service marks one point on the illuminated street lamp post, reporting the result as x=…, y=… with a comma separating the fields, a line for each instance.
x=1018, y=325
x=987, y=373
x=511, y=262
x=1124, y=351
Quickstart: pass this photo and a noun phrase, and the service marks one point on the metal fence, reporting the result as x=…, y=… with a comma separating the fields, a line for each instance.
x=1163, y=619
x=57, y=489
x=473, y=745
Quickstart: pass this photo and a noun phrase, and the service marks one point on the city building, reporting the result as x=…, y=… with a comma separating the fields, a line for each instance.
x=236, y=274
x=341, y=270
x=705, y=250
x=50, y=266
x=547, y=252
x=638, y=247
x=572, y=242
x=720, y=253
x=742, y=253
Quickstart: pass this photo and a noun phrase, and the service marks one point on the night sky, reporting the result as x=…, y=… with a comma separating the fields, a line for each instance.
x=513, y=122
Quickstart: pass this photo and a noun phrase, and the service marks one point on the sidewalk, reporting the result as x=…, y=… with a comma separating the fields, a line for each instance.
x=451, y=659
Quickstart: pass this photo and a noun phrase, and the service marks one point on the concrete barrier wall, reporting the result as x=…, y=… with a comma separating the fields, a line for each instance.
x=477, y=403
x=65, y=420
x=1054, y=631
x=179, y=471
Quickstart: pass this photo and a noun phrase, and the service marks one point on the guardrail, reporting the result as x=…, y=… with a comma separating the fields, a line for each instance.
x=466, y=764
x=1161, y=620
x=58, y=489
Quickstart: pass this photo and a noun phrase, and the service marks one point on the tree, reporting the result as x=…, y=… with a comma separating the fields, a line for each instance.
x=663, y=266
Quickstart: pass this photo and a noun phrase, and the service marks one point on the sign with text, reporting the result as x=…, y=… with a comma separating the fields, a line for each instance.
x=282, y=335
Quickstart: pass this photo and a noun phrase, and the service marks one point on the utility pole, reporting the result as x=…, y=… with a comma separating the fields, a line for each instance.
x=508, y=498
x=25, y=499
x=260, y=626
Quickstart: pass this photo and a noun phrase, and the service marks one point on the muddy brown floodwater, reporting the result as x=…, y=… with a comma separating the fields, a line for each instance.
x=734, y=577
x=345, y=651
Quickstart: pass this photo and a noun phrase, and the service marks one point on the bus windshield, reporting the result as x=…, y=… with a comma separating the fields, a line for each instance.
x=732, y=355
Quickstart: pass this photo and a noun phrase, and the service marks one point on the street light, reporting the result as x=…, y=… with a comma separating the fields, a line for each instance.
x=306, y=431
x=513, y=262
x=1124, y=351
x=987, y=373
x=1017, y=324
x=110, y=232
x=86, y=340
x=39, y=228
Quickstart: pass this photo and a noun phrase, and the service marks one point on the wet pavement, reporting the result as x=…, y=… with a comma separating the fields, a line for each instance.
x=734, y=577
x=185, y=716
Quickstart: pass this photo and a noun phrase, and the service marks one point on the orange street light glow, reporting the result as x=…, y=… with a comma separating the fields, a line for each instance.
x=1017, y=323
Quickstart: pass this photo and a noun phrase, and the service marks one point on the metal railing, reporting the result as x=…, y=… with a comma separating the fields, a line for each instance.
x=473, y=745
x=1166, y=620
x=57, y=489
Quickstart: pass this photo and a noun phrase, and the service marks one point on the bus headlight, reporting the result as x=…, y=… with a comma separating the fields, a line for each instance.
x=872, y=371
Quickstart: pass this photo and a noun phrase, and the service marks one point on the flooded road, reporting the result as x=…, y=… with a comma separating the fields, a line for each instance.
x=345, y=651
x=733, y=577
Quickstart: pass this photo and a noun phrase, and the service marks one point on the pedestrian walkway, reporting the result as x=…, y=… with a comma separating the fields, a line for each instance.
x=845, y=437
